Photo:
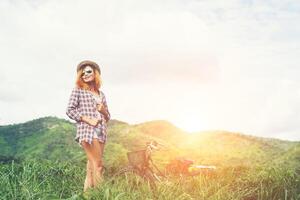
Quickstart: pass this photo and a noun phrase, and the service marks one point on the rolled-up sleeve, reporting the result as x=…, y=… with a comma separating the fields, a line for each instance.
x=72, y=109
x=106, y=112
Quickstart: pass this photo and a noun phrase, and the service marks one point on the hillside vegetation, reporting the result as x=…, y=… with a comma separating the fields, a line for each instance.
x=40, y=159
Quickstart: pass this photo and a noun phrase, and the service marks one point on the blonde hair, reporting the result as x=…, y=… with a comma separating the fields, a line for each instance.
x=96, y=85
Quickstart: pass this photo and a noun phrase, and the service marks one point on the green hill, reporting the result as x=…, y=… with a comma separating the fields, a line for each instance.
x=47, y=138
x=248, y=167
x=53, y=138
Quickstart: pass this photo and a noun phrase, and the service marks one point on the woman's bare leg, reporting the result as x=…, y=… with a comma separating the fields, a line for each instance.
x=97, y=151
x=89, y=182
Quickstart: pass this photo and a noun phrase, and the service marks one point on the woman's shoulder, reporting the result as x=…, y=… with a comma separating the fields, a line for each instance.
x=76, y=88
x=78, y=91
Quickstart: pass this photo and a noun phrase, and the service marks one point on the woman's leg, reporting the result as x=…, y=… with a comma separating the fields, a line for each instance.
x=97, y=151
x=89, y=176
x=89, y=182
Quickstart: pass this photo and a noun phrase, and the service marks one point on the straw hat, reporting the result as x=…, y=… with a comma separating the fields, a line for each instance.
x=89, y=63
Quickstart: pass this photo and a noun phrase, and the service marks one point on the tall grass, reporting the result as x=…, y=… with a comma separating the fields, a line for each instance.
x=34, y=179
x=39, y=179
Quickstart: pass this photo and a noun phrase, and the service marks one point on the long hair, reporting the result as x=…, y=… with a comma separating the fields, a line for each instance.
x=96, y=84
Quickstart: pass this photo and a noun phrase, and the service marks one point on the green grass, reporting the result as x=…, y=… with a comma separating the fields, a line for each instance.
x=40, y=160
x=35, y=179
x=40, y=179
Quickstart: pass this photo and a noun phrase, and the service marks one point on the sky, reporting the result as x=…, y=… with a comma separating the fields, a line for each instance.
x=199, y=64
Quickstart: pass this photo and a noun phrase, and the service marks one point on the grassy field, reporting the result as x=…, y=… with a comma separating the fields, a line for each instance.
x=36, y=179
x=40, y=160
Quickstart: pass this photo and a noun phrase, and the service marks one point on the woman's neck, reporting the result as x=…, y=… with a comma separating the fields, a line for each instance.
x=92, y=88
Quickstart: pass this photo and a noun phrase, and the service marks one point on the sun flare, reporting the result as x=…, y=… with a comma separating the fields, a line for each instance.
x=191, y=124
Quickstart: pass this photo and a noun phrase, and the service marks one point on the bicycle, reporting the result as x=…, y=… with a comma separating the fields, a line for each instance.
x=141, y=164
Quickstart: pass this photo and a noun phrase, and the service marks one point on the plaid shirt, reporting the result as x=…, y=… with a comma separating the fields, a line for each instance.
x=82, y=103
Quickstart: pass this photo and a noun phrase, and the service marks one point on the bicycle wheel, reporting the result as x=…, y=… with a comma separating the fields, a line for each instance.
x=128, y=175
x=152, y=178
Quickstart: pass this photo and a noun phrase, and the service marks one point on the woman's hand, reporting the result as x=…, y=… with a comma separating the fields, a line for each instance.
x=103, y=110
x=90, y=121
x=93, y=121
x=100, y=107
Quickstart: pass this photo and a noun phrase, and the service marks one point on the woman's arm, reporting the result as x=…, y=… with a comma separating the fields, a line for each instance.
x=72, y=109
x=90, y=121
x=104, y=109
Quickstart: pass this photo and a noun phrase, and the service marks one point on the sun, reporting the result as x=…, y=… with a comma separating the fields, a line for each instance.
x=191, y=124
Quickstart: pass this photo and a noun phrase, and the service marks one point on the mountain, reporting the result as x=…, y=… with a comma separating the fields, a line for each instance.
x=53, y=138
x=46, y=137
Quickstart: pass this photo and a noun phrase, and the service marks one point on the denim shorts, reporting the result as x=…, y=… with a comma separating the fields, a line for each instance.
x=99, y=135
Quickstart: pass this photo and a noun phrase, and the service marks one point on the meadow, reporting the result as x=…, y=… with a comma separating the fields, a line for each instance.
x=248, y=167
x=35, y=179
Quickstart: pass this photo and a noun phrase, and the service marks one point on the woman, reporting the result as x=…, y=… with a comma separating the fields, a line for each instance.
x=87, y=106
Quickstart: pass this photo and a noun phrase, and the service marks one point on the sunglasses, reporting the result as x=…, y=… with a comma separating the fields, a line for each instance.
x=87, y=72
